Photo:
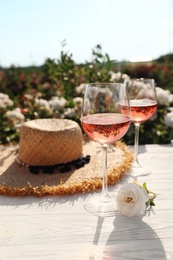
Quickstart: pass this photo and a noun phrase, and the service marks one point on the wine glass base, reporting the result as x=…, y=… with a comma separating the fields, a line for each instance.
x=139, y=170
x=101, y=206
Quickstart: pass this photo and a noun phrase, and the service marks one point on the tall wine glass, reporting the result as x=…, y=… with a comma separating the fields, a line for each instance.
x=143, y=103
x=105, y=119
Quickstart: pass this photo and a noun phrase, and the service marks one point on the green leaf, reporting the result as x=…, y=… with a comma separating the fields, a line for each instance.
x=152, y=203
x=144, y=185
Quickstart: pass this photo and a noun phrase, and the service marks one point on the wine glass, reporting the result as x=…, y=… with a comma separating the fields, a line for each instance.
x=143, y=103
x=105, y=119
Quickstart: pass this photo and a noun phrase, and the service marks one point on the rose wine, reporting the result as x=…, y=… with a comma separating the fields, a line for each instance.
x=106, y=127
x=142, y=109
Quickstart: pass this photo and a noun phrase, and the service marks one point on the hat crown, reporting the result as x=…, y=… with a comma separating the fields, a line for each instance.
x=46, y=142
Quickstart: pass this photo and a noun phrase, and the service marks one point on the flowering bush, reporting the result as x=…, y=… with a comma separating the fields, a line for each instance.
x=56, y=90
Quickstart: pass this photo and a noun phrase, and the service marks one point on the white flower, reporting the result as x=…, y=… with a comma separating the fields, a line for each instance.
x=115, y=76
x=80, y=89
x=29, y=96
x=163, y=96
x=15, y=115
x=131, y=199
x=57, y=103
x=42, y=104
x=78, y=100
x=170, y=109
x=5, y=101
x=69, y=113
x=168, y=119
x=1, y=103
x=46, y=85
x=125, y=77
x=171, y=98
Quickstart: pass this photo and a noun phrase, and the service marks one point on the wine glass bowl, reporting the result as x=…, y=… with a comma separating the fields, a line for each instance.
x=143, y=103
x=105, y=119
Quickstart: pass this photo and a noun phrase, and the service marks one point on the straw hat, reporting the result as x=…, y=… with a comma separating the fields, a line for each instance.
x=49, y=142
x=34, y=166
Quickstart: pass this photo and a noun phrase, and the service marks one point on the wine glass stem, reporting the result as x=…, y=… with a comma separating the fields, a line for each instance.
x=137, y=126
x=104, y=182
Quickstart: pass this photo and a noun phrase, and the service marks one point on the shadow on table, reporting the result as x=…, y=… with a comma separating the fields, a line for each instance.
x=131, y=238
x=45, y=202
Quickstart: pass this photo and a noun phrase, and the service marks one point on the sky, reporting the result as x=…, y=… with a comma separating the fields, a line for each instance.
x=33, y=30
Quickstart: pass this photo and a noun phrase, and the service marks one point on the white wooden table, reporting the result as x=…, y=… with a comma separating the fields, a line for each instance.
x=60, y=228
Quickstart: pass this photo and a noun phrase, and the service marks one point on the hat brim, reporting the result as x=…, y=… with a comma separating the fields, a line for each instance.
x=17, y=180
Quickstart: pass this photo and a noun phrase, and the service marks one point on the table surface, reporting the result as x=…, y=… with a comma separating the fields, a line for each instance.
x=60, y=228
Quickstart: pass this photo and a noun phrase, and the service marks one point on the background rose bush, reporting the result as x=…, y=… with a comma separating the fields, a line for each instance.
x=56, y=90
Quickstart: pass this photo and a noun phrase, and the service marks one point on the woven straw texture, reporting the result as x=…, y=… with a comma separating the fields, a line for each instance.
x=50, y=142
x=16, y=180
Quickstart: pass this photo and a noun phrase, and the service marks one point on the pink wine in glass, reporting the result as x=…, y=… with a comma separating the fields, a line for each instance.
x=106, y=128
x=142, y=109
